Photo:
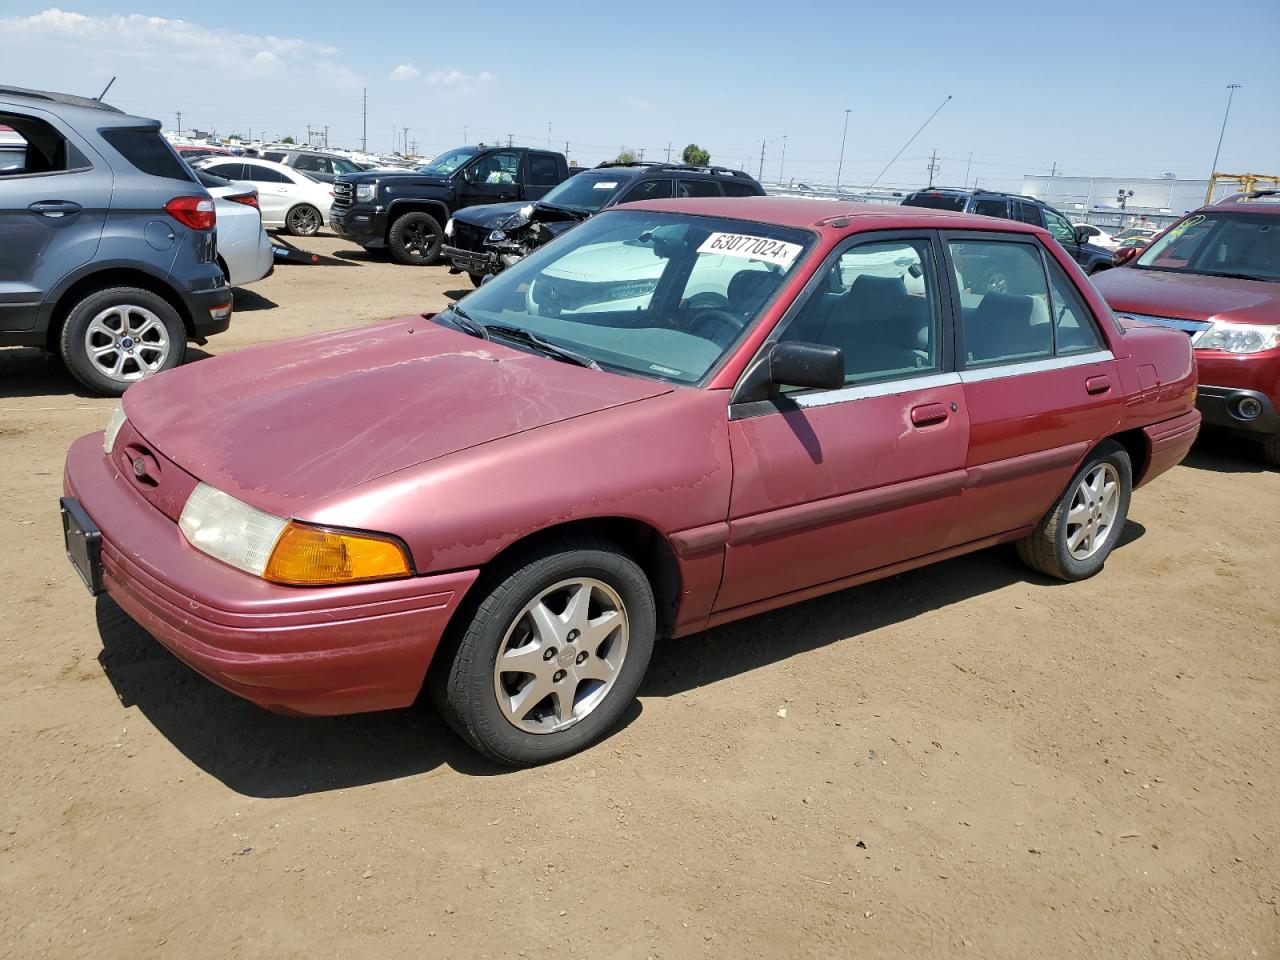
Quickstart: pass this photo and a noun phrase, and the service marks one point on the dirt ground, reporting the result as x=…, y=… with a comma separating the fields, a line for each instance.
x=973, y=761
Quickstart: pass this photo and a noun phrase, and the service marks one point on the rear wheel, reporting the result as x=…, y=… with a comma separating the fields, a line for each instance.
x=117, y=336
x=552, y=654
x=1077, y=535
x=303, y=220
x=415, y=238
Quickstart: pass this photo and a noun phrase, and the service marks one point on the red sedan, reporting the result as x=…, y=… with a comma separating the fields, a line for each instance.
x=678, y=414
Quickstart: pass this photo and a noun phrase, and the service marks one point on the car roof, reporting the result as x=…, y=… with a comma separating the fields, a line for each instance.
x=808, y=213
x=76, y=110
x=1264, y=204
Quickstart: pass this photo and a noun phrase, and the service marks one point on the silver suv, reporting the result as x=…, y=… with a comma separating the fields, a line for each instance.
x=107, y=247
x=314, y=163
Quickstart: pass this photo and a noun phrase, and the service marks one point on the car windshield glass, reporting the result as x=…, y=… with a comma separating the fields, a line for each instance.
x=1219, y=244
x=446, y=163
x=661, y=295
x=588, y=192
x=935, y=201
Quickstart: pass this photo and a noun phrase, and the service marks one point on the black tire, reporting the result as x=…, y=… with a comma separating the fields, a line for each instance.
x=303, y=220
x=93, y=374
x=462, y=680
x=476, y=278
x=1047, y=549
x=1271, y=451
x=415, y=239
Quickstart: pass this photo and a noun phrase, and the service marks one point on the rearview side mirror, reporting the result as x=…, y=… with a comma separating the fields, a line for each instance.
x=1082, y=234
x=1124, y=255
x=791, y=364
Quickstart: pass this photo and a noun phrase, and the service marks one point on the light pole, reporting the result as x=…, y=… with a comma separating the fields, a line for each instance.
x=843, y=136
x=1231, y=92
x=783, y=161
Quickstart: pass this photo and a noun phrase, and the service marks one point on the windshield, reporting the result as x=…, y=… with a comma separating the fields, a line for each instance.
x=587, y=192
x=657, y=294
x=447, y=163
x=936, y=201
x=1219, y=244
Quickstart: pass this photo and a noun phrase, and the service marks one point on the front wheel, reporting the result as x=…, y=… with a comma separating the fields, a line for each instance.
x=476, y=278
x=552, y=654
x=1077, y=535
x=415, y=239
x=303, y=220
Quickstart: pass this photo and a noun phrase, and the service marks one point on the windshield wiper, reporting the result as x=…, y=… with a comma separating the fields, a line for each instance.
x=1243, y=276
x=464, y=321
x=520, y=335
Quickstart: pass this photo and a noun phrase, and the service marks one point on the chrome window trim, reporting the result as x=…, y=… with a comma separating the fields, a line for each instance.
x=884, y=388
x=1034, y=366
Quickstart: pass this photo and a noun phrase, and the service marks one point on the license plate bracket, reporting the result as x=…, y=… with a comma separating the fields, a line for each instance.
x=83, y=542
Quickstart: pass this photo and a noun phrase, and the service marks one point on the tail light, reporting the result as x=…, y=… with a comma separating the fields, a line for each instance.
x=194, y=212
x=248, y=199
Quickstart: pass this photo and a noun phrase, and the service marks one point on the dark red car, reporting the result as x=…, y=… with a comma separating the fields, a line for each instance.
x=680, y=413
x=1216, y=276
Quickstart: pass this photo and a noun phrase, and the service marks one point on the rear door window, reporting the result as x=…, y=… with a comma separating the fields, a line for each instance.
x=313, y=164
x=1004, y=299
x=649, y=190
x=1073, y=327
x=232, y=170
x=30, y=146
x=148, y=152
x=936, y=201
x=544, y=170
x=992, y=207
x=735, y=188
x=697, y=188
x=257, y=173
x=1027, y=213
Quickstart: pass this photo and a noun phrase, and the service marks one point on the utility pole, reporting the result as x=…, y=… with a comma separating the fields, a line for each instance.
x=566, y=149
x=326, y=136
x=967, y=168
x=1231, y=92
x=464, y=134
x=668, y=151
x=364, y=123
x=760, y=175
x=179, y=116
x=641, y=157
x=548, y=134
x=784, y=157
x=840, y=165
x=509, y=139
x=934, y=166
x=406, y=141
x=1053, y=170
x=308, y=134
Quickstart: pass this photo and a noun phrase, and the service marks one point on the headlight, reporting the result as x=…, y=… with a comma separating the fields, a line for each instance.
x=118, y=420
x=366, y=191
x=1238, y=338
x=526, y=211
x=282, y=550
x=496, y=236
x=448, y=228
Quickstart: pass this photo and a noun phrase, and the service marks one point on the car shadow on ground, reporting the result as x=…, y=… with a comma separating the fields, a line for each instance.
x=689, y=662
x=30, y=372
x=1221, y=452
x=358, y=255
x=261, y=754
x=246, y=301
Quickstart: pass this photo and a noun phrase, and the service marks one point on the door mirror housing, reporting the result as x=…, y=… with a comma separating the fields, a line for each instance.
x=1125, y=255
x=788, y=363
x=1082, y=234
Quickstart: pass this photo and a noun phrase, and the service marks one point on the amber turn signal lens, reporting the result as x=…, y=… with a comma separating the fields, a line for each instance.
x=313, y=556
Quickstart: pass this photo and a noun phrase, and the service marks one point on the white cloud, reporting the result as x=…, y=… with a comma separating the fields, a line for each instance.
x=406, y=71
x=451, y=77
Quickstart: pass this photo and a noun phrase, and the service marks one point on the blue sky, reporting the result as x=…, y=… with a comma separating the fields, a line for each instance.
x=1124, y=89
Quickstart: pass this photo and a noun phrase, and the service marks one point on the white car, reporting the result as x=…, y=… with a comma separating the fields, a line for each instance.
x=288, y=198
x=1099, y=238
x=244, y=249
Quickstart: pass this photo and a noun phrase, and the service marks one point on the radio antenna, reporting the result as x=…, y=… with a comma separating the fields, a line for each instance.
x=909, y=142
x=105, y=89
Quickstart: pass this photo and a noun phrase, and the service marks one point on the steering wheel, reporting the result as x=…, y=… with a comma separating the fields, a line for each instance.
x=708, y=301
x=718, y=326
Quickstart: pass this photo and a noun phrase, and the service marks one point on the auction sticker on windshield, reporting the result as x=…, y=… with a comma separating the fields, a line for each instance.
x=751, y=248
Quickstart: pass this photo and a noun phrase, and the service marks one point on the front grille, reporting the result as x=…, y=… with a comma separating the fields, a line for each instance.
x=468, y=237
x=1189, y=327
x=344, y=194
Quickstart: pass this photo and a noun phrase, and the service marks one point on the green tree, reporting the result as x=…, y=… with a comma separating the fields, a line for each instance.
x=695, y=155
x=626, y=155
x=287, y=140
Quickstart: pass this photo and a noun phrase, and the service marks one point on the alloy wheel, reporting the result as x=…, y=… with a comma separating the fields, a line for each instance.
x=126, y=343
x=304, y=221
x=561, y=655
x=1092, y=513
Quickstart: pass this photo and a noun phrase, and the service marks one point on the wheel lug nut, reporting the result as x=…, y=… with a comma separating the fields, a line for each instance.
x=548, y=653
x=573, y=635
x=557, y=676
x=582, y=656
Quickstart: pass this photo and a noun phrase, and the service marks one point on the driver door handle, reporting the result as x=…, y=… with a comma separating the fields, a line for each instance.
x=1097, y=385
x=928, y=414
x=54, y=208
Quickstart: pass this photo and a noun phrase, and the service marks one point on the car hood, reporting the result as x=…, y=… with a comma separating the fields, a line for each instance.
x=393, y=176
x=489, y=215
x=284, y=425
x=1189, y=296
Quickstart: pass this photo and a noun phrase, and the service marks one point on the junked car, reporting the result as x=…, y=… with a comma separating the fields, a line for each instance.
x=486, y=239
x=507, y=501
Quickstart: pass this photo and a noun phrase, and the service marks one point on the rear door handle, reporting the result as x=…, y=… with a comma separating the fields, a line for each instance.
x=1096, y=385
x=54, y=208
x=928, y=413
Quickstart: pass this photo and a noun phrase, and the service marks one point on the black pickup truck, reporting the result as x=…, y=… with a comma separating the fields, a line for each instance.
x=405, y=212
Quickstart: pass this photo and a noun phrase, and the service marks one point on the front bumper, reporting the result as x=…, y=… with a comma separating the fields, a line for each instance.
x=310, y=651
x=365, y=225
x=471, y=261
x=1231, y=407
